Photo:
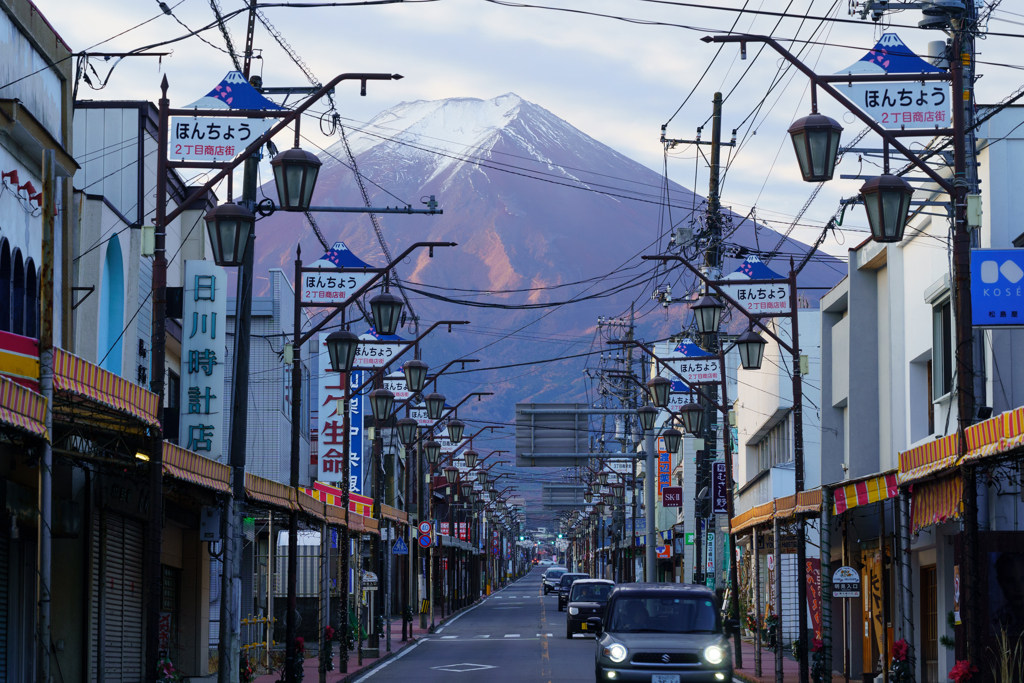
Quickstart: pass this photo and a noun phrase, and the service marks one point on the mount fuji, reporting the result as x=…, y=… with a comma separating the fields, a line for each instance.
x=542, y=214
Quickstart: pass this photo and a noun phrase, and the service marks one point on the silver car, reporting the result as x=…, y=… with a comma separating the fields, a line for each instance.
x=661, y=633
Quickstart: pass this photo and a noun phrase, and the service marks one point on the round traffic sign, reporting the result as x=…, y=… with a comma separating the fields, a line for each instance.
x=424, y=541
x=425, y=527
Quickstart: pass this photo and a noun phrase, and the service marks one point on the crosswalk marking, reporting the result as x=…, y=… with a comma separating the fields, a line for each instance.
x=543, y=634
x=511, y=635
x=448, y=637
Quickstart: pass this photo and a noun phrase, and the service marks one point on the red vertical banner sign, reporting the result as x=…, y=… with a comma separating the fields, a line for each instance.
x=814, y=595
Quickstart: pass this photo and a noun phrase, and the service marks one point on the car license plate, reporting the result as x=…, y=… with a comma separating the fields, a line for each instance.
x=663, y=678
x=583, y=626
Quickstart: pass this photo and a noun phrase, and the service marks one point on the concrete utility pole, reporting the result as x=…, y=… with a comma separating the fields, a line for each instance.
x=46, y=386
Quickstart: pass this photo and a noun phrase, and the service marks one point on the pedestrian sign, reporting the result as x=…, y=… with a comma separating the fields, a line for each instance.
x=400, y=548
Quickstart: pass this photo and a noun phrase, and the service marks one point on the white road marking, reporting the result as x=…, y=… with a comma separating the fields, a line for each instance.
x=448, y=637
x=401, y=653
x=543, y=634
x=452, y=620
x=482, y=636
x=511, y=635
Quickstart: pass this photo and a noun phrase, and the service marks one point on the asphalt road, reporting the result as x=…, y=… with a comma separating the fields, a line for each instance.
x=517, y=634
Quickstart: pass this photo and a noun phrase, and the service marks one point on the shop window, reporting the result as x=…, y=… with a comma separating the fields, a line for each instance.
x=111, y=323
x=942, y=350
x=5, y=286
x=31, y=300
x=18, y=296
x=774, y=448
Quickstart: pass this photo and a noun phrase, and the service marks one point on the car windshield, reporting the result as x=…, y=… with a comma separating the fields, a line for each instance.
x=567, y=579
x=554, y=573
x=663, y=615
x=590, y=592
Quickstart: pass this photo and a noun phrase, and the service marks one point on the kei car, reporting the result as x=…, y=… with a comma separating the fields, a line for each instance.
x=587, y=598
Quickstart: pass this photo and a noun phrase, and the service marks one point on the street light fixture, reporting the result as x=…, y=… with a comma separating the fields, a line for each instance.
x=432, y=449
x=751, y=347
x=707, y=313
x=672, y=438
x=887, y=201
x=618, y=490
x=647, y=415
x=407, y=428
x=387, y=311
x=295, y=172
x=816, y=142
x=455, y=429
x=588, y=496
x=602, y=477
x=599, y=507
x=595, y=487
x=693, y=416
x=229, y=226
x=467, y=489
x=481, y=477
x=341, y=348
x=659, y=388
x=451, y=473
x=415, y=375
x=435, y=405
x=381, y=402
x=471, y=457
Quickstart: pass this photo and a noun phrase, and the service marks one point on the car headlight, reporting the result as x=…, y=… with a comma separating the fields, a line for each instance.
x=616, y=652
x=714, y=654
x=574, y=611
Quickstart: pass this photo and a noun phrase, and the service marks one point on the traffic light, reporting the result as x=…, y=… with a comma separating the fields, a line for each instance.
x=559, y=535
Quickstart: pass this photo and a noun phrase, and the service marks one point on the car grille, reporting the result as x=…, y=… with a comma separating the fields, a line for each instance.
x=665, y=658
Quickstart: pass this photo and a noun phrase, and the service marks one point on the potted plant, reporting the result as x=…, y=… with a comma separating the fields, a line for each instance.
x=165, y=671
x=901, y=669
x=962, y=671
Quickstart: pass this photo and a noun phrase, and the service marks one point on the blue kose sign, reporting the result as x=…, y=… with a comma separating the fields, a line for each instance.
x=997, y=293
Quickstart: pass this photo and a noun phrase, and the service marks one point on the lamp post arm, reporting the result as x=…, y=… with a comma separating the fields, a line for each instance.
x=668, y=367
x=380, y=371
x=467, y=441
x=376, y=278
x=721, y=292
x=274, y=130
x=822, y=83
x=430, y=381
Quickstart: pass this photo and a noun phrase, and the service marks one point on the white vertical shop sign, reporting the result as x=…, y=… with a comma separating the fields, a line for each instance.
x=203, y=350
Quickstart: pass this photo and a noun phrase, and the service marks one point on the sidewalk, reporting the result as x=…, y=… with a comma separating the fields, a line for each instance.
x=790, y=667
x=310, y=666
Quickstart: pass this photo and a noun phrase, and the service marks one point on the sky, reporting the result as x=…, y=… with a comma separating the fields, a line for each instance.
x=615, y=80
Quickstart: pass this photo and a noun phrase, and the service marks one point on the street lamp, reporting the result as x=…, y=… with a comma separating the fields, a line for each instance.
x=751, y=347
x=595, y=487
x=451, y=473
x=659, y=388
x=672, y=438
x=707, y=313
x=341, y=348
x=415, y=375
x=481, y=477
x=432, y=449
x=599, y=507
x=887, y=201
x=647, y=415
x=229, y=226
x=455, y=429
x=381, y=402
x=693, y=416
x=467, y=489
x=295, y=172
x=471, y=457
x=618, y=490
x=816, y=142
x=588, y=496
x=387, y=311
x=602, y=477
x=435, y=405
x=407, y=428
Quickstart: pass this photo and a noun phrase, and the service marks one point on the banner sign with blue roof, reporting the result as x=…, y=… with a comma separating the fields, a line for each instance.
x=758, y=299
x=377, y=355
x=215, y=138
x=905, y=104
x=334, y=278
x=696, y=365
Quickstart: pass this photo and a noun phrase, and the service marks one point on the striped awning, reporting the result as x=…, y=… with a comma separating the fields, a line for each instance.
x=755, y=516
x=22, y=409
x=394, y=514
x=934, y=502
x=188, y=466
x=84, y=382
x=269, y=492
x=865, y=491
x=331, y=498
x=19, y=359
x=928, y=459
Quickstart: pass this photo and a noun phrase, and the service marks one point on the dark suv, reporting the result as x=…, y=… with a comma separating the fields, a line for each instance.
x=564, y=584
x=587, y=598
x=661, y=633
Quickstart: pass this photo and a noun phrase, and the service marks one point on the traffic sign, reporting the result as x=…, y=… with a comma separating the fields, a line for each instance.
x=424, y=541
x=399, y=548
x=426, y=528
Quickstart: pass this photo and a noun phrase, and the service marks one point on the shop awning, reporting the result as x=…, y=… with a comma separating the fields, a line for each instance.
x=755, y=516
x=334, y=512
x=934, y=502
x=269, y=492
x=188, y=466
x=82, y=386
x=928, y=459
x=394, y=514
x=19, y=359
x=865, y=491
x=22, y=409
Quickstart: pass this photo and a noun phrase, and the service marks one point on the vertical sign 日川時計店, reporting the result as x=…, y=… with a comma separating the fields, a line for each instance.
x=204, y=325
x=211, y=138
x=331, y=433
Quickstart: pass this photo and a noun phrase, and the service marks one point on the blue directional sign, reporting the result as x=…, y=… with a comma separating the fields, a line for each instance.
x=399, y=548
x=997, y=292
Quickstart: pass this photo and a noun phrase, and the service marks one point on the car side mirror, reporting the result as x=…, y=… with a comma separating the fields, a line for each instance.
x=594, y=624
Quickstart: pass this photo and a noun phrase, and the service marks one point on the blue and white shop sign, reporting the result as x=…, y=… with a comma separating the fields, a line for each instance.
x=204, y=328
x=997, y=292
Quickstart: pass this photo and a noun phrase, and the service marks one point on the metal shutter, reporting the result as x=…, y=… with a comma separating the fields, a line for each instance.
x=123, y=600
